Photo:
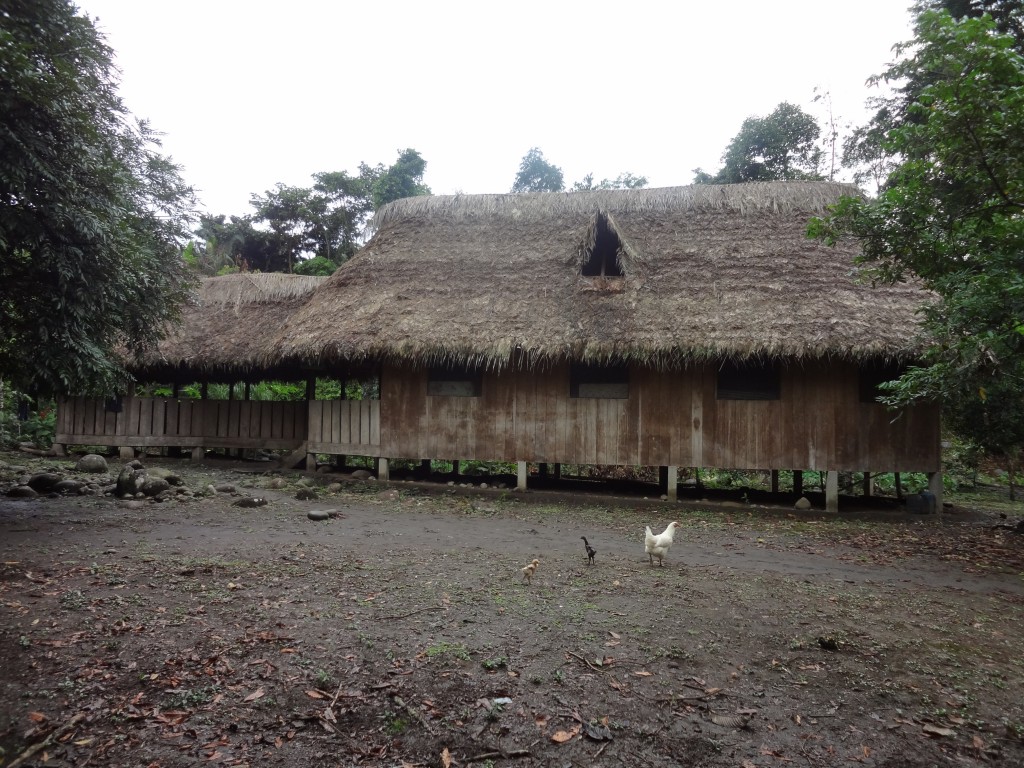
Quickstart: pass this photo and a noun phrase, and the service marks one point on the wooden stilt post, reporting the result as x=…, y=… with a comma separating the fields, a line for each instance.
x=558, y=471
x=775, y=481
x=936, y=487
x=798, y=482
x=521, y=475
x=899, y=485
x=663, y=479
x=672, y=483
x=832, y=491
x=382, y=469
x=868, y=485
x=455, y=467
x=542, y=469
x=425, y=466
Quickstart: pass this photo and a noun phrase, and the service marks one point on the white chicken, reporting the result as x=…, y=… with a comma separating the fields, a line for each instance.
x=658, y=546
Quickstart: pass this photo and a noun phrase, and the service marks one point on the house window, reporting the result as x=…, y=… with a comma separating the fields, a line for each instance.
x=872, y=375
x=602, y=256
x=454, y=382
x=748, y=381
x=610, y=382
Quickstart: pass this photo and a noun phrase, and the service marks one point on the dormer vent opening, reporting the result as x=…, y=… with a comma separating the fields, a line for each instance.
x=602, y=255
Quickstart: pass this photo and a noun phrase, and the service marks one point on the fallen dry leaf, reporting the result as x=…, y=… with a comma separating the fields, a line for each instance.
x=446, y=758
x=259, y=693
x=937, y=730
x=560, y=737
x=36, y=717
x=643, y=673
x=315, y=695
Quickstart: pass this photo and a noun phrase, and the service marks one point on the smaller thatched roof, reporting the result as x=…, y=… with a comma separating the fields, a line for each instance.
x=709, y=271
x=224, y=335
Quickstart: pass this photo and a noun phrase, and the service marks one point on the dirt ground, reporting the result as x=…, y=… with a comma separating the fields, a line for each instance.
x=400, y=632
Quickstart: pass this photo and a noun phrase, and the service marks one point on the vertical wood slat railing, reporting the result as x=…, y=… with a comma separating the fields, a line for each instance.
x=343, y=427
x=352, y=427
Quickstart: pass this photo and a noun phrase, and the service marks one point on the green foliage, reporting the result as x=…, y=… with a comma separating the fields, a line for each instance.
x=91, y=217
x=622, y=181
x=318, y=265
x=538, y=175
x=311, y=230
x=403, y=179
x=782, y=146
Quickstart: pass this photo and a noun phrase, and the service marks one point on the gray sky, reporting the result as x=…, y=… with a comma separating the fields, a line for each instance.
x=251, y=93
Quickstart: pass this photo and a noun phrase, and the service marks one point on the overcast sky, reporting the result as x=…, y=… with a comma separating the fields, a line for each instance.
x=250, y=93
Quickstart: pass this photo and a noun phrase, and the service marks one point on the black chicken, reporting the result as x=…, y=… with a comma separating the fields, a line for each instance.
x=590, y=551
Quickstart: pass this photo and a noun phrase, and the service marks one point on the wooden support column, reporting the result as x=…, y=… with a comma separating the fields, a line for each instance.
x=521, y=475
x=558, y=471
x=798, y=482
x=455, y=467
x=868, y=486
x=248, y=390
x=382, y=469
x=663, y=479
x=832, y=491
x=310, y=462
x=204, y=390
x=542, y=469
x=198, y=453
x=775, y=481
x=899, y=484
x=125, y=453
x=310, y=389
x=936, y=487
x=425, y=466
x=672, y=483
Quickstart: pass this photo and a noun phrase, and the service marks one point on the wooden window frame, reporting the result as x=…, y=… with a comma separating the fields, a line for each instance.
x=452, y=381
x=602, y=382
x=749, y=381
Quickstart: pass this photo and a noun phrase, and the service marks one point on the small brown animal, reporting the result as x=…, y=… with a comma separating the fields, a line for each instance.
x=529, y=570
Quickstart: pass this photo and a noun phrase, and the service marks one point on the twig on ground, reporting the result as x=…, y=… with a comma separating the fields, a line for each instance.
x=585, y=661
x=492, y=755
x=415, y=713
x=54, y=735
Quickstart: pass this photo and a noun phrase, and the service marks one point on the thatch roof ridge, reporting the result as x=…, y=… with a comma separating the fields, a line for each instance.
x=255, y=288
x=752, y=198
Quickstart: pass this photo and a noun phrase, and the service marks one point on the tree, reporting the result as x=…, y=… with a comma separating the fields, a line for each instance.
x=951, y=213
x=92, y=217
x=782, y=146
x=538, y=175
x=402, y=179
x=622, y=181
x=325, y=223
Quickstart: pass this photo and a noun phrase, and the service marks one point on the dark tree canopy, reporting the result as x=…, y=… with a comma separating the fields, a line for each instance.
x=91, y=216
x=538, y=175
x=779, y=147
x=309, y=230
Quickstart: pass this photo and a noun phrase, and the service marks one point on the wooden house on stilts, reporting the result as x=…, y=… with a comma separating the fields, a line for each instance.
x=680, y=327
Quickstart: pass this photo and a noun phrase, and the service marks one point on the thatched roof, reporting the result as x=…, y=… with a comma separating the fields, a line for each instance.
x=224, y=336
x=709, y=271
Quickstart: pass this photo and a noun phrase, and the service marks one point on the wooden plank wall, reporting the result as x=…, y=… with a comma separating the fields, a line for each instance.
x=344, y=427
x=669, y=418
x=153, y=422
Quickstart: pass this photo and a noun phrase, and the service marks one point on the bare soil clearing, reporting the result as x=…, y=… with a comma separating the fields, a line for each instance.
x=399, y=632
